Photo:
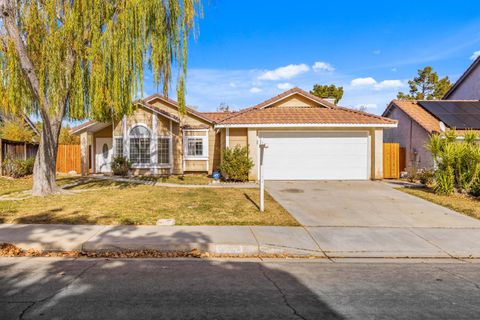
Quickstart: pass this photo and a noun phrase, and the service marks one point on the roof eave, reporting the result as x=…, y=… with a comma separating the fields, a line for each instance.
x=306, y=125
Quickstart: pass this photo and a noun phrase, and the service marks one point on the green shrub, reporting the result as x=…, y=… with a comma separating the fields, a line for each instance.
x=426, y=176
x=445, y=181
x=457, y=161
x=236, y=164
x=17, y=168
x=475, y=191
x=120, y=166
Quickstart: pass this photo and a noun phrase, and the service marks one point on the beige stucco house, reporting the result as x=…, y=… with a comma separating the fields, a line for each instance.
x=307, y=138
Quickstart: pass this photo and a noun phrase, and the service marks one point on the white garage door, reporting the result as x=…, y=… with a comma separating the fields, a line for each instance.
x=315, y=155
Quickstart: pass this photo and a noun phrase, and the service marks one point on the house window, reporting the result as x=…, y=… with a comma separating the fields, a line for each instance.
x=139, y=145
x=194, y=147
x=119, y=147
x=163, y=149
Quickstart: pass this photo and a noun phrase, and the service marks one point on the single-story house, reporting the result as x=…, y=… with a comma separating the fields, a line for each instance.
x=306, y=137
x=417, y=120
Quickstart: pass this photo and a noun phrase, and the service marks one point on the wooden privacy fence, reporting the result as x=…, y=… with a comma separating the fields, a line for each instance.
x=16, y=150
x=393, y=160
x=68, y=158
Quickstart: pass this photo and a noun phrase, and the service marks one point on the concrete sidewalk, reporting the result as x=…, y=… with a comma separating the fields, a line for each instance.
x=331, y=242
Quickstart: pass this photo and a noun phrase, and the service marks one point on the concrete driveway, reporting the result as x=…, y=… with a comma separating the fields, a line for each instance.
x=361, y=204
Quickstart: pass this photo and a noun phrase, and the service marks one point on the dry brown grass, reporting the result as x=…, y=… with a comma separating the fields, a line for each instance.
x=110, y=202
x=457, y=202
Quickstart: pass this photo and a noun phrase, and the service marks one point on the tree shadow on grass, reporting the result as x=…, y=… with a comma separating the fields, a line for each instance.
x=153, y=288
x=101, y=183
x=52, y=217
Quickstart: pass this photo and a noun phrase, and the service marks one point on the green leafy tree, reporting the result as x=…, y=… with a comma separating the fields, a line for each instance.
x=85, y=59
x=426, y=86
x=16, y=129
x=328, y=91
x=66, y=137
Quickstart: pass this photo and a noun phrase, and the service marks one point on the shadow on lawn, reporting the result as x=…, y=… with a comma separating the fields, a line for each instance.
x=152, y=288
x=51, y=217
x=101, y=183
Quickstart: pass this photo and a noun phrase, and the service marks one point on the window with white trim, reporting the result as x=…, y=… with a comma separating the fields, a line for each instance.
x=139, y=145
x=195, y=146
x=118, y=147
x=163, y=150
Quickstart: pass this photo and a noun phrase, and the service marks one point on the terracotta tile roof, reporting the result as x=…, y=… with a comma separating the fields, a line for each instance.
x=425, y=119
x=306, y=116
x=198, y=126
x=217, y=116
x=175, y=103
x=328, y=113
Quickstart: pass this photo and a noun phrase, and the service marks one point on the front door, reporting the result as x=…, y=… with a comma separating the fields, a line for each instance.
x=103, y=155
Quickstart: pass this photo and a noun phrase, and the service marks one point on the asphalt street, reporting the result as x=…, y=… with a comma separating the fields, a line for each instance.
x=55, y=288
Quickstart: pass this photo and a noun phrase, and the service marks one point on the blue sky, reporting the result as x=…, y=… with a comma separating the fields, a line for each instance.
x=247, y=51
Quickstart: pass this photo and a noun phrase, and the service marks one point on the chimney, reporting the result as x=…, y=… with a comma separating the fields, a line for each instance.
x=331, y=100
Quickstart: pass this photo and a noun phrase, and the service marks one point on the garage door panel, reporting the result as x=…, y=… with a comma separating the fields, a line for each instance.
x=316, y=155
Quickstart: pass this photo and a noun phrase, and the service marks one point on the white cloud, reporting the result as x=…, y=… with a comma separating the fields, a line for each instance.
x=475, y=55
x=284, y=73
x=387, y=84
x=394, y=69
x=284, y=86
x=376, y=51
x=322, y=66
x=371, y=82
x=361, y=82
x=255, y=90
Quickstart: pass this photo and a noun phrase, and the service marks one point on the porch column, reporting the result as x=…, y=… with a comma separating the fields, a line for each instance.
x=84, y=137
x=153, y=146
x=126, y=141
x=376, y=154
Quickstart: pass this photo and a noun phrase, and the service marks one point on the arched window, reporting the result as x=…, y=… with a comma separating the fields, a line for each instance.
x=139, y=145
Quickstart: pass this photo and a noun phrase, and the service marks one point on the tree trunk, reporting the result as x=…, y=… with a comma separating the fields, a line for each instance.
x=44, y=171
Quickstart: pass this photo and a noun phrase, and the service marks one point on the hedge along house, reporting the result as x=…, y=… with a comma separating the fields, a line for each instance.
x=308, y=138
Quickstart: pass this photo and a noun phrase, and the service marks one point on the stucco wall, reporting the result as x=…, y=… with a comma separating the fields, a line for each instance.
x=238, y=137
x=469, y=89
x=412, y=137
x=295, y=101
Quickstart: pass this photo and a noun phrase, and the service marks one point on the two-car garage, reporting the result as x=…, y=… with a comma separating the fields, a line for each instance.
x=309, y=155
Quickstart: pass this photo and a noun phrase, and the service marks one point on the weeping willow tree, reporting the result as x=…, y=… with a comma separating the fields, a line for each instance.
x=78, y=59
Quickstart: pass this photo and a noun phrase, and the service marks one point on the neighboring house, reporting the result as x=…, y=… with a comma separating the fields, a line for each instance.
x=417, y=120
x=307, y=138
x=467, y=86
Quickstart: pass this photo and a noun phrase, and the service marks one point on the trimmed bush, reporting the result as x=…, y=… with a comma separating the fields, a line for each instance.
x=120, y=166
x=236, y=164
x=17, y=168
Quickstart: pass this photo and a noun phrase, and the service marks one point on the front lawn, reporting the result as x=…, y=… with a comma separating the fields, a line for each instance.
x=113, y=202
x=460, y=203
